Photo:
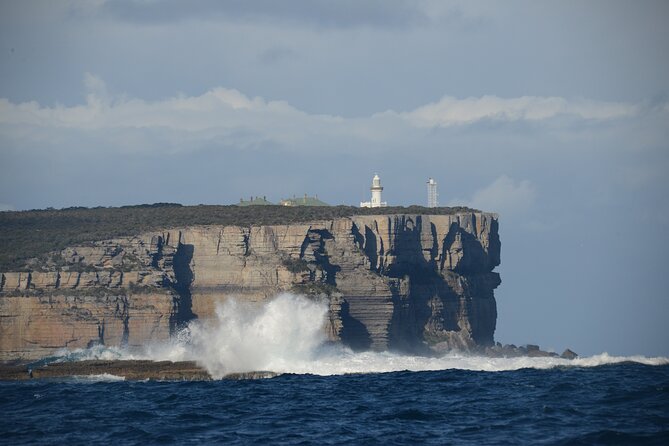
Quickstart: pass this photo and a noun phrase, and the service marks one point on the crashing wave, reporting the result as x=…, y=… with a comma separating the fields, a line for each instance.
x=285, y=335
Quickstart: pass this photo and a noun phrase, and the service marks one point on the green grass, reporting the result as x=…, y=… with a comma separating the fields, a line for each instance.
x=29, y=234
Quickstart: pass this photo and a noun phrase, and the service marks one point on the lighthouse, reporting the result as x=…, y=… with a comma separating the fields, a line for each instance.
x=376, y=195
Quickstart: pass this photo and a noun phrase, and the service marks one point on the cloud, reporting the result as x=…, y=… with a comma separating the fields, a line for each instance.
x=221, y=113
x=276, y=54
x=181, y=112
x=505, y=196
x=231, y=118
x=322, y=13
x=4, y=207
x=451, y=111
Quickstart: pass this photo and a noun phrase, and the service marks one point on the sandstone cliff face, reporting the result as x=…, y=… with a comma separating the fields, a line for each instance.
x=407, y=282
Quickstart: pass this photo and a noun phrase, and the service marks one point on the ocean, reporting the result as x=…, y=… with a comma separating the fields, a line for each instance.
x=327, y=394
x=621, y=403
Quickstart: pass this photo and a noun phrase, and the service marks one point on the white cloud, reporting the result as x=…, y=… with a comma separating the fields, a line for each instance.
x=6, y=207
x=505, y=196
x=232, y=118
x=451, y=111
x=96, y=90
x=219, y=114
x=219, y=107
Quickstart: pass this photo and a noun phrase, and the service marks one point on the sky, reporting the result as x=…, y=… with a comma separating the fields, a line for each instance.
x=555, y=115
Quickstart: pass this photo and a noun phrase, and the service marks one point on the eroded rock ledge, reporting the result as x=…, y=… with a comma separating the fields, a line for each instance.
x=131, y=370
x=405, y=282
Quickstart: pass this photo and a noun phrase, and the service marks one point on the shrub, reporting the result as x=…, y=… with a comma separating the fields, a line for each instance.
x=296, y=266
x=29, y=234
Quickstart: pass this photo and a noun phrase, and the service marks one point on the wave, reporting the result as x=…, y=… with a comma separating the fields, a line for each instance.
x=98, y=352
x=285, y=335
x=103, y=377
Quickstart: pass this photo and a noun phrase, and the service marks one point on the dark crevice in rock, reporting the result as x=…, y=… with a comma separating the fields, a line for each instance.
x=358, y=238
x=434, y=251
x=101, y=332
x=317, y=239
x=122, y=312
x=305, y=245
x=183, y=275
x=381, y=247
x=448, y=243
x=323, y=233
x=246, y=245
x=354, y=333
x=495, y=245
x=371, y=249
x=157, y=252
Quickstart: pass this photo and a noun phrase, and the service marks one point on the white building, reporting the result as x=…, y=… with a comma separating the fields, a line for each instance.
x=432, y=193
x=376, y=195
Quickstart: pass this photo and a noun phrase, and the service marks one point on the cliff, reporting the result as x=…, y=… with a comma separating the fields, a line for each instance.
x=406, y=282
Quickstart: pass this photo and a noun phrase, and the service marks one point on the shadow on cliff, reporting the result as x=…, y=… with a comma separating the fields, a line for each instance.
x=354, y=333
x=183, y=274
x=412, y=310
x=413, y=277
x=429, y=300
x=315, y=241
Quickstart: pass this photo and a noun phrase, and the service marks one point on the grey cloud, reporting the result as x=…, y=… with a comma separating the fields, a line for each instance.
x=339, y=14
x=276, y=54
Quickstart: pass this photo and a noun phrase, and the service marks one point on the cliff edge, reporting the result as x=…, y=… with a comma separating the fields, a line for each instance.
x=401, y=281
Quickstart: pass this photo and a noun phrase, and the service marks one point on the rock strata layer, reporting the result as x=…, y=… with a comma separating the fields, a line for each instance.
x=406, y=282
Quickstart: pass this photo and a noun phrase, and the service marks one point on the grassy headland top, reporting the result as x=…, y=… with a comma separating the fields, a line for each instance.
x=28, y=234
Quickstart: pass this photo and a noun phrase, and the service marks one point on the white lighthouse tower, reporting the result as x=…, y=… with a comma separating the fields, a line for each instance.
x=376, y=195
x=432, y=193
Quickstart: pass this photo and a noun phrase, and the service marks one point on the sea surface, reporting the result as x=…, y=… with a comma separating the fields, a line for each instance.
x=621, y=403
x=328, y=394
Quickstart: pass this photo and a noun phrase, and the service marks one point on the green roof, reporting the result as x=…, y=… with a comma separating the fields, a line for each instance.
x=303, y=201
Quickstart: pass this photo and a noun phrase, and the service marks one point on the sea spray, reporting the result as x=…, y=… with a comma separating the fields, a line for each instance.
x=243, y=337
x=285, y=335
x=96, y=352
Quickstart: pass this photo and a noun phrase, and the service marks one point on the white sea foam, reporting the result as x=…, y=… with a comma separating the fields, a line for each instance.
x=99, y=352
x=103, y=377
x=285, y=336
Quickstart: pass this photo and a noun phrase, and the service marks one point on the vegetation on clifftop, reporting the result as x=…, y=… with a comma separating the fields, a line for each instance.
x=29, y=234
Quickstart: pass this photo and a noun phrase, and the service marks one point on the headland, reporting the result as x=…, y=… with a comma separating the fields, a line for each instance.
x=416, y=280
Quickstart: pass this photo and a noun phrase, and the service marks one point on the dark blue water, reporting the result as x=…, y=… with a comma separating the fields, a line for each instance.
x=613, y=404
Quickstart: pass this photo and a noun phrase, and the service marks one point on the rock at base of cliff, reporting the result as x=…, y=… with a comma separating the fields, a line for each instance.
x=131, y=370
x=568, y=354
x=529, y=350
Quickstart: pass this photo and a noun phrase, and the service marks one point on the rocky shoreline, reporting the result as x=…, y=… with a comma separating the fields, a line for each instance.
x=131, y=370
x=139, y=370
x=533, y=351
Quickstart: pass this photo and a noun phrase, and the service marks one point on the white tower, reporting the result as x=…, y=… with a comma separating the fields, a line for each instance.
x=376, y=195
x=432, y=193
x=376, y=191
